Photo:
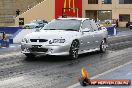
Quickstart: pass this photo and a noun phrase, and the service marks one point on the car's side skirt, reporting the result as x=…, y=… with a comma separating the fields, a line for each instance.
x=87, y=51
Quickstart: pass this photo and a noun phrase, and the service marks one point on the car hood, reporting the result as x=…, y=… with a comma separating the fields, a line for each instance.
x=53, y=34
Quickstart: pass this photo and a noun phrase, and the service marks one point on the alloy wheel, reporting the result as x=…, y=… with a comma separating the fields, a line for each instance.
x=103, y=46
x=74, y=50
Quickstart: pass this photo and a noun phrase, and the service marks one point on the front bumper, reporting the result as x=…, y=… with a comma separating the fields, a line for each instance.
x=45, y=49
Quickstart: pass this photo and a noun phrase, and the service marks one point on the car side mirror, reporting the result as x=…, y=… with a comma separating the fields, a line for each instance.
x=86, y=30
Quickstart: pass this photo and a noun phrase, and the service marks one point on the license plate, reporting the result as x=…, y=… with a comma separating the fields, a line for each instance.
x=36, y=46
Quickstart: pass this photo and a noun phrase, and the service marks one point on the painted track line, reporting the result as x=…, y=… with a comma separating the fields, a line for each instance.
x=113, y=69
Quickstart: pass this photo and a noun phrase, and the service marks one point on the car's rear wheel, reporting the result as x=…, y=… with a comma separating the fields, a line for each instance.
x=103, y=46
x=73, y=53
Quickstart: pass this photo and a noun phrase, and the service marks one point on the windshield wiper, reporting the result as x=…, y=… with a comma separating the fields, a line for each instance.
x=49, y=29
x=70, y=29
x=63, y=29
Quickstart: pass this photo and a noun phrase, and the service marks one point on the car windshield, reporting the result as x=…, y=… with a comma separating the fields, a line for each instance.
x=63, y=25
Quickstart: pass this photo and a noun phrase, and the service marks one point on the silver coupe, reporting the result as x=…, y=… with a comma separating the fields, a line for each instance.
x=66, y=36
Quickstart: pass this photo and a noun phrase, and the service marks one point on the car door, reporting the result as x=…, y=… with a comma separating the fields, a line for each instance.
x=97, y=37
x=87, y=36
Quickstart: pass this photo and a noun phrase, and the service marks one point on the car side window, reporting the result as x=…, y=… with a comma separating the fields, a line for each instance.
x=94, y=25
x=87, y=24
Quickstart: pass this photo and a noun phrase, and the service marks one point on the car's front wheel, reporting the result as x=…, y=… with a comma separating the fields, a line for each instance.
x=73, y=53
x=30, y=56
x=103, y=46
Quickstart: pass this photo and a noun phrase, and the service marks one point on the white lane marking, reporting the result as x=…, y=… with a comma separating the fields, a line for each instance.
x=78, y=84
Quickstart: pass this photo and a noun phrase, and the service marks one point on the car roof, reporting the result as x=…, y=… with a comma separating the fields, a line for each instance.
x=74, y=19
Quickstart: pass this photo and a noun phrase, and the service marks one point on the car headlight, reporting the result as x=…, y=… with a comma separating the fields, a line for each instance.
x=25, y=40
x=57, y=41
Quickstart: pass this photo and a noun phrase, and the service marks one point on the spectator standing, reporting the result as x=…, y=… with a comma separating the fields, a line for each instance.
x=17, y=12
x=117, y=23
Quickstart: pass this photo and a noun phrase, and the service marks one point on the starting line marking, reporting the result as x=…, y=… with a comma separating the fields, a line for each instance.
x=78, y=84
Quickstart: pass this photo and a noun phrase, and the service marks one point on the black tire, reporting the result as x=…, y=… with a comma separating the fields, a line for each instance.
x=103, y=46
x=73, y=53
x=30, y=56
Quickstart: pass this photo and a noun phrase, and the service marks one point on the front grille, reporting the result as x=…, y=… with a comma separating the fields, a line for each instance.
x=33, y=40
x=43, y=40
x=39, y=40
x=38, y=50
